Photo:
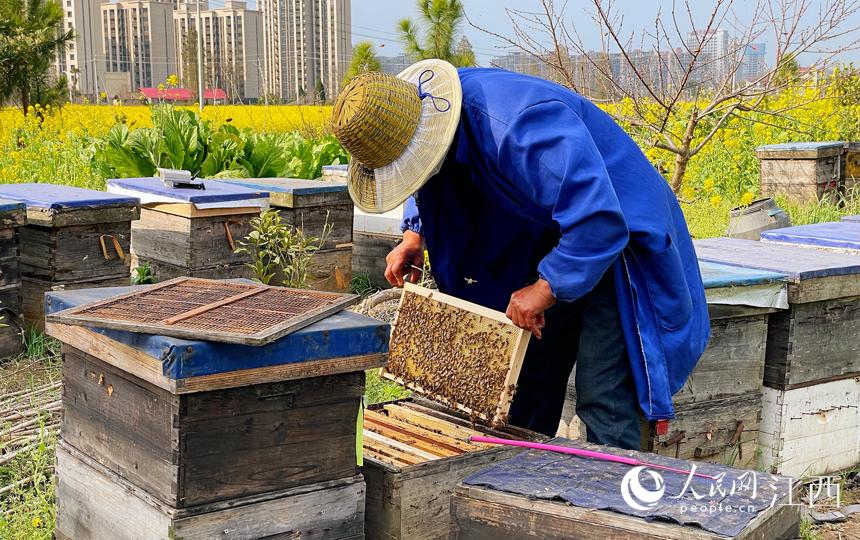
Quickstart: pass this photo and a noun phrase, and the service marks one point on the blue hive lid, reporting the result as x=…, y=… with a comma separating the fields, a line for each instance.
x=215, y=195
x=839, y=234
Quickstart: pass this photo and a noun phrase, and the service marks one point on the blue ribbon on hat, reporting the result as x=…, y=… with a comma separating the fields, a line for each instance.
x=433, y=99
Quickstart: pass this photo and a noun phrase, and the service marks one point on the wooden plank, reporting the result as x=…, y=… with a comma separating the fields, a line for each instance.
x=813, y=430
x=467, y=339
x=483, y=514
x=92, y=501
x=408, y=448
x=210, y=306
x=189, y=210
x=75, y=316
x=409, y=439
x=389, y=454
x=163, y=271
x=373, y=418
x=70, y=217
x=115, y=353
x=75, y=253
x=429, y=422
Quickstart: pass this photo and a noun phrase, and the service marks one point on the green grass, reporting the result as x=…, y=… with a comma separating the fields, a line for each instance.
x=362, y=285
x=379, y=389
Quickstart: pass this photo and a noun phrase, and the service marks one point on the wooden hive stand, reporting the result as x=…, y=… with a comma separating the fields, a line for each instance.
x=74, y=238
x=811, y=351
x=310, y=205
x=195, y=437
x=191, y=232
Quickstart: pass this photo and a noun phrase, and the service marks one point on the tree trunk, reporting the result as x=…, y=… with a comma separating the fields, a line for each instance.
x=683, y=157
x=25, y=98
x=681, y=161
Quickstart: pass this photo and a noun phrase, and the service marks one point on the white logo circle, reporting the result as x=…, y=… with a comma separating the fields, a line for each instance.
x=636, y=495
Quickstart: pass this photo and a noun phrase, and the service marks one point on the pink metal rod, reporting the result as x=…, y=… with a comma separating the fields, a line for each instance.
x=584, y=453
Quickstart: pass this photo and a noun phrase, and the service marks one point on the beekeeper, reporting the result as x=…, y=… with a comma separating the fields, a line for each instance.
x=532, y=201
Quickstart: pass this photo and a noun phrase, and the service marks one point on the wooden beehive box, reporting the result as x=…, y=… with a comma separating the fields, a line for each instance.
x=74, y=237
x=374, y=236
x=551, y=496
x=310, y=205
x=814, y=340
x=198, y=422
x=192, y=232
x=839, y=236
x=94, y=504
x=811, y=430
x=415, y=453
x=803, y=172
x=718, y=410
x=13, y=215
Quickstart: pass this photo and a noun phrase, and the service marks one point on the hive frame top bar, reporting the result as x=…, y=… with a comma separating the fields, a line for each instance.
x=78, y=316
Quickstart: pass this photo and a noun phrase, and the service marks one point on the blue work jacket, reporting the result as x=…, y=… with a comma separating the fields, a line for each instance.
x=539, y=182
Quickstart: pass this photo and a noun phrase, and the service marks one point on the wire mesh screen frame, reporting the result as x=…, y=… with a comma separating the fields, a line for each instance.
x=209, y=310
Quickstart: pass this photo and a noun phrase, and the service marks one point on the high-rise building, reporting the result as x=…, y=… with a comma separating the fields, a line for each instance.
x=138, y=39
x=232, y=46
x=715, y=58
x=753, y=64
x=306, y=42
x=82, y=62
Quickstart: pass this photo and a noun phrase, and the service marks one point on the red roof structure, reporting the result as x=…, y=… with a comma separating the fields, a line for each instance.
x=215, y=93
x=167, y=94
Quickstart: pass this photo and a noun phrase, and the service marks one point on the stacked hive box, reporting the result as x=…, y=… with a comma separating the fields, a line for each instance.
x=74, y=238
x=851, y=175
x=804, y=172
x=171, y=438
x=547, y=495
x=311, y=205
x=374, y=236
x=718, y=411
x=810, y=423
x=191, y=232
x=12, y=216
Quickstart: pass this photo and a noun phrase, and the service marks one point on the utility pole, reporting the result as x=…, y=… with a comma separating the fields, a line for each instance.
x=200, y=97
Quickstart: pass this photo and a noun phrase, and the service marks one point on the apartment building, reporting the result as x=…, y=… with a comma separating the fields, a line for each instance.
x=305, y=42
x=232, y=46
x=139, y=40
x=82, y=62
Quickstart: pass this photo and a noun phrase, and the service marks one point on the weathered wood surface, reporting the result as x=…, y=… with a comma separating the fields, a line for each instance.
x=800, y=150
x=211, y=446
x=368, y=255
x=331, y=270
x=141, y=365
x=312, y=219
x=192, y=243
x=811, y=342
x=723, y=431
x=851, y=177
x=733, y=362
x=12, y=213
x=484, y=514
x=813, y=430
x=412, y=501
x=11, y=334
x=75, y=252
x=33, y=294
x=95, y=504
x=802, y=180
x=163, y=271
x=812, y=275
x=71, y=217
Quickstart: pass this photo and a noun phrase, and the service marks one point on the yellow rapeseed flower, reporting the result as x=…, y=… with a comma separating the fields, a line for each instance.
x=716, y=200
x=36, y=522
x=709, y=184
x=747, y=198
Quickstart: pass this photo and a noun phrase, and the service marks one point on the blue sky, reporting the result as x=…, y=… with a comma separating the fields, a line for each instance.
x=376, y=20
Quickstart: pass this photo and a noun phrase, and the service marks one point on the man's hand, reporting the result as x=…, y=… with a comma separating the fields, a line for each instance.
x=410, y=252
x=527, y=306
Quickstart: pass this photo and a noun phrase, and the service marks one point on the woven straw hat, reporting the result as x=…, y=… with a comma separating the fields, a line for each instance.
x=397, y=130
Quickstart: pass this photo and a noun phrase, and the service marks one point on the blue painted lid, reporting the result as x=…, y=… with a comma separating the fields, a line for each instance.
x=715, y=276
x=801, y=146
x=7, y=205
x=335, y=168
x=797, y=263
x=295, y=186
x=56, y=196
x=852, y=219
x=215, y=191
x=341, y=335
x=839, y=234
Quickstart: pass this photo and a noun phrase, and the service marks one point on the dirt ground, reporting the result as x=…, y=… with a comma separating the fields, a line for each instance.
x=847, y=530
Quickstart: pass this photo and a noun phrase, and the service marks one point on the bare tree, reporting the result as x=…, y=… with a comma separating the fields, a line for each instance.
x=661, y=77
